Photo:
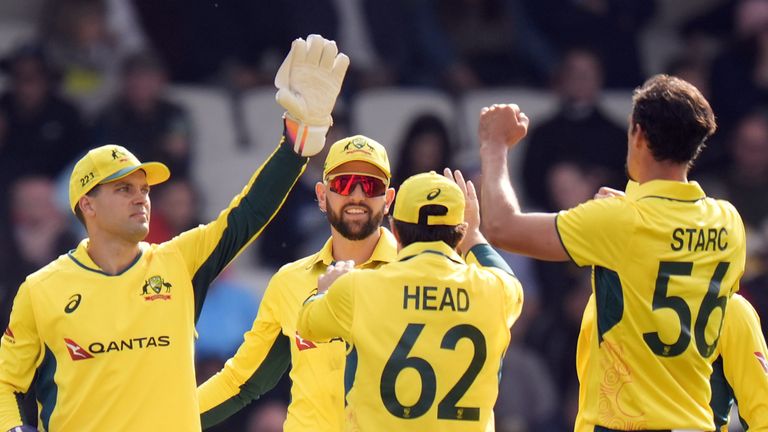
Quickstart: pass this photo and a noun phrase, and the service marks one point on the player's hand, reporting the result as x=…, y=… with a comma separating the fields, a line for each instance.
x=308, y=83
x=606, y=192
x=501, y=126
x=333, y=272
x=471, y=211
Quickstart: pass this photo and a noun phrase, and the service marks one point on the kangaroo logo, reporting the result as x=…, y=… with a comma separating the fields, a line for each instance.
x=117, y=154
x=156, y=285
x=359, y=144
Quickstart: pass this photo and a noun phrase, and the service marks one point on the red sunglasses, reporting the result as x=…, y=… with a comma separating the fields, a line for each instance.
x=345, y=184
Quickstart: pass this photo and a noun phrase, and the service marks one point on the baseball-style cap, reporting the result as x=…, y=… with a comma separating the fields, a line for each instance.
x=106, y=164
x=357, y=148
x=429, y=189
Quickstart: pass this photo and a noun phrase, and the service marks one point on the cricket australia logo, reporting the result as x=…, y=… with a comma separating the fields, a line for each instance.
x=154, y=287
x=359, y=145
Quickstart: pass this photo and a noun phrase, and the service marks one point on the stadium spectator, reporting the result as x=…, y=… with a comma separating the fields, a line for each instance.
x=144, y=120
x=740, y=72
x=42, y=131
x=426, y=146
x=579, y=133
x=610, y=27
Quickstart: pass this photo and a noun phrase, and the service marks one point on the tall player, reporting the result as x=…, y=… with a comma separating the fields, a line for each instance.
x=109, y=327
x=354, y=194
x=665, y=260
x=740, y=371
x=428, y=331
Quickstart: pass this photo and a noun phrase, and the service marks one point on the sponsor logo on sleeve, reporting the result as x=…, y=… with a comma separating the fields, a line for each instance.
x=763, y=362
x=303, y=344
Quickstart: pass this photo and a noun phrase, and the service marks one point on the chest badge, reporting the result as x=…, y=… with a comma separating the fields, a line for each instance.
x=155, y=288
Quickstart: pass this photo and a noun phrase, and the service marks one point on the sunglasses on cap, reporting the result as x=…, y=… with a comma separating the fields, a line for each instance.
x=345, y=184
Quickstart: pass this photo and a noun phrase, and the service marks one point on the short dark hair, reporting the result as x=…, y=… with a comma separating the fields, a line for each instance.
x=78, y=212
x=674, y=116
x=408, y=233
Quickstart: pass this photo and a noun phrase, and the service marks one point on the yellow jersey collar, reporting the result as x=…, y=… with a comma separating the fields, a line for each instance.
x=438, y=247
x=666, y=189
x=385, y=250
x=80, y=256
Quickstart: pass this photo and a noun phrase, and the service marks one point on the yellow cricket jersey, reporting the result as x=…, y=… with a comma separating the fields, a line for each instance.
x=428, y=334
x=115, y=352
x=740, y=373
x=317, y=369
x=743, y=362
x=666, y=259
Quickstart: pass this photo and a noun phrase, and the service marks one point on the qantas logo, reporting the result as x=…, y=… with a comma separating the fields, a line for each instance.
x=76, y=351
x=303, y=344
x=762, y=360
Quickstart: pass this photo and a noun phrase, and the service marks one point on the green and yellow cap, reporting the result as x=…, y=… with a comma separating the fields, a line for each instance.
x=429, y=189
x=106, y=164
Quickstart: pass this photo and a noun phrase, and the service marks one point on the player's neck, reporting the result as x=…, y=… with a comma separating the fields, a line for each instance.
x=663, y=171
x=111, y=255
x=358, y=251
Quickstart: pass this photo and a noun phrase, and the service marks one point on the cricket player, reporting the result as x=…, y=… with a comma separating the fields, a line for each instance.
x=740, y=371
x=355, y=195
x=109, y=327
x=428, y=331
x=665, y=258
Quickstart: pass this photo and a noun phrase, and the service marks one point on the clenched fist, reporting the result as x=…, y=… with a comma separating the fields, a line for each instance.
x=502, y=125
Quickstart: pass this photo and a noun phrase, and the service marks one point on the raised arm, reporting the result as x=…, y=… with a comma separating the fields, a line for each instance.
x=504, y=224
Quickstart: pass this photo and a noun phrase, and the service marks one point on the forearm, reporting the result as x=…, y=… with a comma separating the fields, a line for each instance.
x=317, y=322
x=10, y=408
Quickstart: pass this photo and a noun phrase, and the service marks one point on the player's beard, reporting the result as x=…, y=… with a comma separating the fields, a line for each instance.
x=354, y=230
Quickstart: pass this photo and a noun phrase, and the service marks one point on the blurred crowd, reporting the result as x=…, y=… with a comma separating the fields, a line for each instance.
x=91, y=72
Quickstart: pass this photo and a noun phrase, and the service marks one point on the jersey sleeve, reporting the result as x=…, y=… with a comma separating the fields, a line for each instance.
x=261, y=360
x=597, y=231
x=329, y=315
x=745, y=362
x=20, y=353
x=208, y=249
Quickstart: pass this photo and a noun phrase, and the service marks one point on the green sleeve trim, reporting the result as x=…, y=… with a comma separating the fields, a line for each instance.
x=722, y=394
x=251, y=215
x=609, y=300
x=487, y=256
x=46, y=388
x=263, y=379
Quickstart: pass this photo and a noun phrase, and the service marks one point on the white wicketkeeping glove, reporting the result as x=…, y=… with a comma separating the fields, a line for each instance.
x=308, y=83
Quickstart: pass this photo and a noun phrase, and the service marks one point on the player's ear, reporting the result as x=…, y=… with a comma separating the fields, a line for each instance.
x=320, y=194
x=389, y=196
x=86, y=206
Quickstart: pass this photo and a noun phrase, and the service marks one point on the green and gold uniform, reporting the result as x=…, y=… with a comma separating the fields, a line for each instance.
x=428, y=333
x=116, y=352
x=666, y=259
x=317, y=369
x=740, y=371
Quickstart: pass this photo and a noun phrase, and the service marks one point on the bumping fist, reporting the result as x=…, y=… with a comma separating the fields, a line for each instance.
x=333, y=272
x=308, y=82
x=502, y=125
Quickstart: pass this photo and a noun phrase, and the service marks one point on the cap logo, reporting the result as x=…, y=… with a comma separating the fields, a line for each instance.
x=117, y=154
x=359, y=145
x=433, y=194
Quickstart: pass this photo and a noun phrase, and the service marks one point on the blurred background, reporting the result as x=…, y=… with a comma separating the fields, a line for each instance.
x=189, y=83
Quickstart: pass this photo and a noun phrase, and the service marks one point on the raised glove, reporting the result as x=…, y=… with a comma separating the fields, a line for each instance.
x=308, y=83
